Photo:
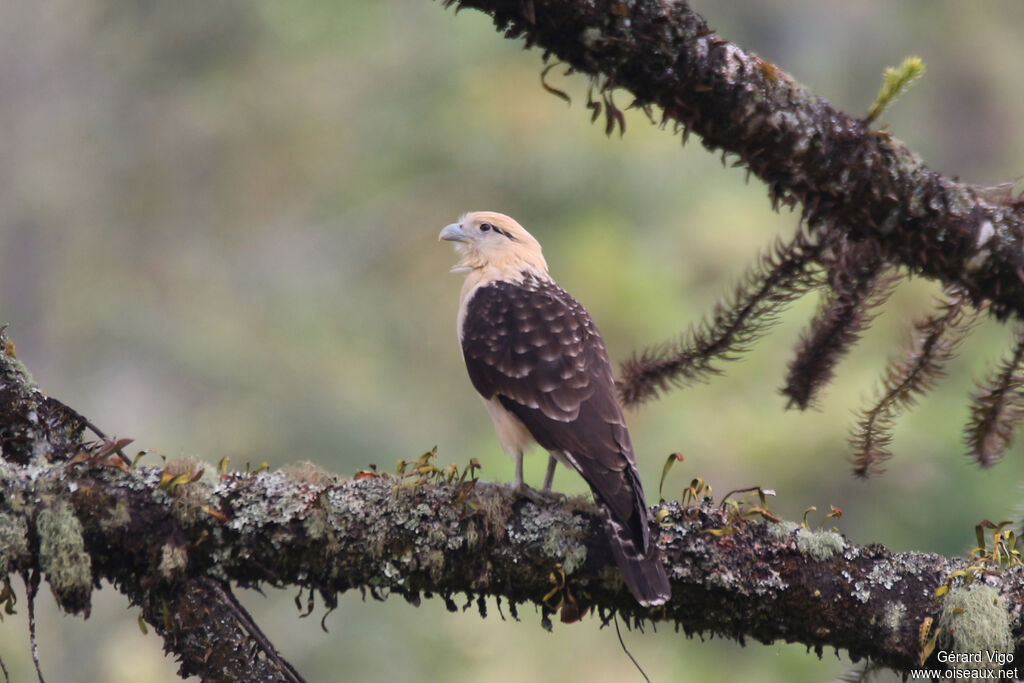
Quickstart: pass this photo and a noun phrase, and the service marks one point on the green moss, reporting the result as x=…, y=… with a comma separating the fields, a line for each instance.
x=496, y=505
x=975, y=619
x=13, y=541
x=62, y=557
x=14, y=373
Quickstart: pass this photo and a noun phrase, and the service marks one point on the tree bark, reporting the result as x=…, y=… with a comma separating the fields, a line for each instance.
x=173, y=537
x=843, y=174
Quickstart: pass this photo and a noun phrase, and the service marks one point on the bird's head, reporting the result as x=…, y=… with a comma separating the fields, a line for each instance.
x=489, y=240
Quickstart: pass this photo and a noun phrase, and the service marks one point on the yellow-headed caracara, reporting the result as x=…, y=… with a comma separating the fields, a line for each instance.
x=541, y=367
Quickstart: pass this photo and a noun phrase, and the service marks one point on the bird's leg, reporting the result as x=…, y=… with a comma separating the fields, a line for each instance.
x=519, y=484
x=549, y=476
x=539, y=497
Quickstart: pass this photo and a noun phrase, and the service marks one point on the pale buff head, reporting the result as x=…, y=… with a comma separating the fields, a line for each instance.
x=486, y=240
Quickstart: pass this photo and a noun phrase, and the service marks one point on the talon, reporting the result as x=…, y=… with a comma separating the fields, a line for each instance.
x=541, y=497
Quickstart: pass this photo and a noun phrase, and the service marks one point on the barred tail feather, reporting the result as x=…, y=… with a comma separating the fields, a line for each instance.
x=642, y=569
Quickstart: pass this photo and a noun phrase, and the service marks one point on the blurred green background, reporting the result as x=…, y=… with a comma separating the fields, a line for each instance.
x=218, y=227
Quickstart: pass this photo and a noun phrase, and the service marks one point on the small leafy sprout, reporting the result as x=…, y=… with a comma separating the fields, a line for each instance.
x=215, y=513
x=571, y=610
x=100, y=452
x=560, y=94
x=422, y=473
x=411, y=474
x=762, y=494
x=697, y=491
x=8, y=597
x=1004, y=549
x=834, y=513
x=557, y=578
x=1004, y=555
x=222, y=466
x=142, y=626
x=462, y=495
x=111, y=446
x=466, y=485
x=470, y=470
x=310, y=603
x=925, y=641
x=743, y=510
x=1004, y=546
x=165, y=613
x=895, y=82
x=170, y=481
x=367, y=474
x=259, y=468
x=424, y=460
x=660, y=516
x=146, y=451
x=672, y=460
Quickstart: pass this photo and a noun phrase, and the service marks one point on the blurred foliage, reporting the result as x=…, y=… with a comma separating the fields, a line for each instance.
x=218, y=236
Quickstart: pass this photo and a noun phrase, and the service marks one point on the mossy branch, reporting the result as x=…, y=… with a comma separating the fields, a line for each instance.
x=172, y=538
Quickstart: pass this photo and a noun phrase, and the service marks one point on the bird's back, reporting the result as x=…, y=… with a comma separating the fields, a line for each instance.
x=535, y=348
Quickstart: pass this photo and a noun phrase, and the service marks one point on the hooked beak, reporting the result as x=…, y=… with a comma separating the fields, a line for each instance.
x=453, y=233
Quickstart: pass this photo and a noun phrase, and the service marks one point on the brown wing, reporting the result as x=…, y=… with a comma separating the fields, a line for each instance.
x=534, y=347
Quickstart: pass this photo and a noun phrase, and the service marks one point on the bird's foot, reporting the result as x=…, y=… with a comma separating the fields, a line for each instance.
x=537, y=496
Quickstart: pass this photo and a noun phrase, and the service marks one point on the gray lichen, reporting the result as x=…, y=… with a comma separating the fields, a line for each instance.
x=781, y=530
x=884, y=575
x=173, y=560
x=975, y=619
x=894, y=614
x=821, y=545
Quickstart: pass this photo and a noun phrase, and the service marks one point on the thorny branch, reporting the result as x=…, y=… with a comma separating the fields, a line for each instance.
x=173, y=538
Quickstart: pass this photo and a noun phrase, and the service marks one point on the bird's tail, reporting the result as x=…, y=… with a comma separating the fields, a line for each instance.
x=641, y=567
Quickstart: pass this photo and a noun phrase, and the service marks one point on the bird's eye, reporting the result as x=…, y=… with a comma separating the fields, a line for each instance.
x=484, y=227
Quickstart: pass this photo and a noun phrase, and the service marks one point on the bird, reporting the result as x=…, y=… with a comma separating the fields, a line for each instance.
x=541, y=368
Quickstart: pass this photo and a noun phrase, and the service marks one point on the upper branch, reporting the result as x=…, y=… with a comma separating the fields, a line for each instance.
x=844, y=174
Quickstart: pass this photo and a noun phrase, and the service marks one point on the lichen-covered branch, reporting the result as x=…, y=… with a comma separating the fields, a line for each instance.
x=43, y=530
x=172, y=538
x=843, y=174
